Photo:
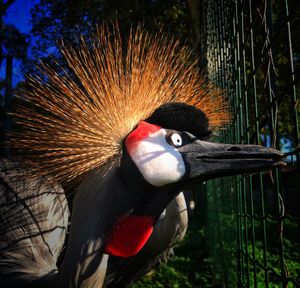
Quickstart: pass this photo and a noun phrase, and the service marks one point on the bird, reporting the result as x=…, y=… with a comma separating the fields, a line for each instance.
x=127, y=124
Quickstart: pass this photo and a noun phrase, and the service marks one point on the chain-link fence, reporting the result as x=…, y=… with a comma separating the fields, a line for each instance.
x=253, y=221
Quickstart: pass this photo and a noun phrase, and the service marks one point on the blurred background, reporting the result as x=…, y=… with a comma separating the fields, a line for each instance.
x=244, y=231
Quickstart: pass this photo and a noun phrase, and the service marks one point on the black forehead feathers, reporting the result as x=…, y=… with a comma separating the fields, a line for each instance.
x=181, y=117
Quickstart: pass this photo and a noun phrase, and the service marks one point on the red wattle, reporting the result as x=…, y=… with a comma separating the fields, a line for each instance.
x=129, y=235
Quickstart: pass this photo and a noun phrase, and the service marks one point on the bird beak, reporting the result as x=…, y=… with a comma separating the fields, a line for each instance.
x=206, y=160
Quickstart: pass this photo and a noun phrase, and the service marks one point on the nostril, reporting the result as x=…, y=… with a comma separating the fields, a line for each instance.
x=234, y=148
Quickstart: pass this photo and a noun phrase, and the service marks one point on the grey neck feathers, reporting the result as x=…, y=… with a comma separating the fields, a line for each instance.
x=93, y=215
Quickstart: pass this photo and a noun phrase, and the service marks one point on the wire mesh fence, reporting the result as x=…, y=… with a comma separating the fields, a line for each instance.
x=253, y=221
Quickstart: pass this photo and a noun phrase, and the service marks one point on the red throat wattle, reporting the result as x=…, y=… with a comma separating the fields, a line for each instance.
x=129, y=235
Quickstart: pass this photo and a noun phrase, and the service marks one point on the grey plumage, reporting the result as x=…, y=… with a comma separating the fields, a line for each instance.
x=33, y=224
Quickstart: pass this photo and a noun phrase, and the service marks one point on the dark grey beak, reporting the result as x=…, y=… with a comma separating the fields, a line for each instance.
x=206, y=160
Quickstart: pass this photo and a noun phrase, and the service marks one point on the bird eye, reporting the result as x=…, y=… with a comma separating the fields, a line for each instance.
x=176, y=139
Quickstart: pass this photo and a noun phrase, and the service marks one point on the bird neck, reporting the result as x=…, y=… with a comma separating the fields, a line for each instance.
x=93, y=214
x=146, y=199
x=106, y=202
x=133, y=228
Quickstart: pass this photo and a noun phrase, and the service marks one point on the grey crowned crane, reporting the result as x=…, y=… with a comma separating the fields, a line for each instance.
x=130, y=129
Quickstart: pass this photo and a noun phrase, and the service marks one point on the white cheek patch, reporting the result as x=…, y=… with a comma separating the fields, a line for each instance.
x=159, y=163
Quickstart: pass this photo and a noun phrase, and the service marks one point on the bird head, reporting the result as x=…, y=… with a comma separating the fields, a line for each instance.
x=170, y=147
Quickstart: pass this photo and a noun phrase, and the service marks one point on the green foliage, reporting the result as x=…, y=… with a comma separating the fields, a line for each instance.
x=291, y=250
x=190, y=267
x=193, y=267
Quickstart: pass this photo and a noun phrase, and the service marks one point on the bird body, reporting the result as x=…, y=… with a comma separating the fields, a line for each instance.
x=130, y=128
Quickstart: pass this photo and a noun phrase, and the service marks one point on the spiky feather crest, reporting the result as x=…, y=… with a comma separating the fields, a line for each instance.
x=80, y=121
